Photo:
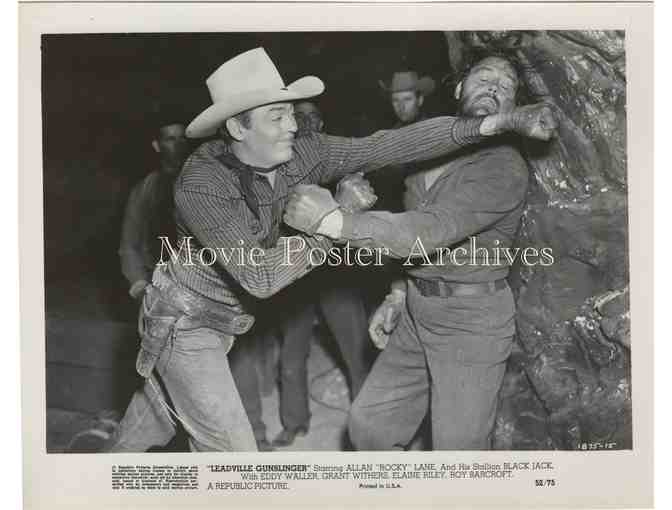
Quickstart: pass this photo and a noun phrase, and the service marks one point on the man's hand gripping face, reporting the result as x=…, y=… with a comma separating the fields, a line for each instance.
x=536, y=121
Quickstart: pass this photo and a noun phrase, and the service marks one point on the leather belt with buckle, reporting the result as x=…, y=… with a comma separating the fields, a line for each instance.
x=438, y=288
x=202, y=310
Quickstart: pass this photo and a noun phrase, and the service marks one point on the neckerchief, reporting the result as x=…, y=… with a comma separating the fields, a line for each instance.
x=246, y=177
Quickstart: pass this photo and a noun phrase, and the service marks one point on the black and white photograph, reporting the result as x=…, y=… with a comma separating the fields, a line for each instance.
x=365, y=241
x=292, y=254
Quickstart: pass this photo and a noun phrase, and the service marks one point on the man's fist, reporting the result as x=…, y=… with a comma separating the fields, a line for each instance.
x=534, y=121
x=385, y=319
x=355, y=194
x=307, y=206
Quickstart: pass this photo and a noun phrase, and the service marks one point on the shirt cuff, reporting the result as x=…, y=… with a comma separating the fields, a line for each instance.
x=467, y=131
x=331, y=224
x=348, y=229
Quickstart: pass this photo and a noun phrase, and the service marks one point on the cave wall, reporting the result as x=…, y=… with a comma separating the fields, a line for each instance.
x=568, y=380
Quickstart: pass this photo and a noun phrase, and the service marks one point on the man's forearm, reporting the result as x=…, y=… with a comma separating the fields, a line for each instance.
x=133, y=265
x=429, y=139
x=399, y=233
x=421, y=141
x=267, y=271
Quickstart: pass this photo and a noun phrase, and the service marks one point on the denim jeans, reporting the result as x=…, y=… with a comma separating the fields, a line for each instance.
x=448, y=354
x=192, y=380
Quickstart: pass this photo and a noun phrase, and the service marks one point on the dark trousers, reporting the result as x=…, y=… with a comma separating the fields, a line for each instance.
x=447, y=355
x=243, y=360
x=291, y=315
x=342, y=306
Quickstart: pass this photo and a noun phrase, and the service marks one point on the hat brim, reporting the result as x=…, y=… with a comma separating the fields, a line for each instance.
x=211, y=118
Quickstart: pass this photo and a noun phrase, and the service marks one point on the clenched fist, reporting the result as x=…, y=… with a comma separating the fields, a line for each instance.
x=355, y=194
x=385, y=319
x=307, y=206
x=534, y=121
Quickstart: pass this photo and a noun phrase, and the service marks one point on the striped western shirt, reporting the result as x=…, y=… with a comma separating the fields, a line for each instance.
x=258, y=256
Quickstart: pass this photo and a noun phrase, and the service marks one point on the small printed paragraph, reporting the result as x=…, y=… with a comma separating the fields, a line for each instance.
x=164, y=477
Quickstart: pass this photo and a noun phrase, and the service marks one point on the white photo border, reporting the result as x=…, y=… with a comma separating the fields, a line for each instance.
x=605, y=479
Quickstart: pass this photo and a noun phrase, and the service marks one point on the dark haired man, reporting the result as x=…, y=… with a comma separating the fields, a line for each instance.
x=447, y=330
x=148, y=215
x=149, y=210
x=309, y=118
x=229, y=200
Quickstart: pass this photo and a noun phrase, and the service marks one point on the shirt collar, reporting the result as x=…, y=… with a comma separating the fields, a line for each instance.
x=245, y=174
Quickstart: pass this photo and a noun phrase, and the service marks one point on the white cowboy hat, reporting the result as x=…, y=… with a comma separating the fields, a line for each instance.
x=408, y=80
x=247, y=81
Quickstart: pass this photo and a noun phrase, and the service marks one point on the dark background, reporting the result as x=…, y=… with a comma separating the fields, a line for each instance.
x=101, y=93
x=100, y=97
x=568, y=381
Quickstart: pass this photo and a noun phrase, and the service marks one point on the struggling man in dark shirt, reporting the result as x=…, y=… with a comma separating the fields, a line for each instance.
x=447, y=330
x=229, y=201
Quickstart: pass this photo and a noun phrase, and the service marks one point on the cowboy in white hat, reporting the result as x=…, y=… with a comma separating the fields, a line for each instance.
x=407, y=92
x=229, y=203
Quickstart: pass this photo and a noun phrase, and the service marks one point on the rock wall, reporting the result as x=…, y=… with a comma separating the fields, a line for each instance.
x=568, y=383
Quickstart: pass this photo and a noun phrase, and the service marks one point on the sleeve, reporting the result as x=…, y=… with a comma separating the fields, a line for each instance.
x=398, y=284
x=131, y=246
x=488, y=192
x=216, y=223
x=421, y=141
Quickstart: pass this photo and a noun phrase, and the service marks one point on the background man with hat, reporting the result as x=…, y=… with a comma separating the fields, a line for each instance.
x=407, y=94
x=231, y=194
x=446, y=330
